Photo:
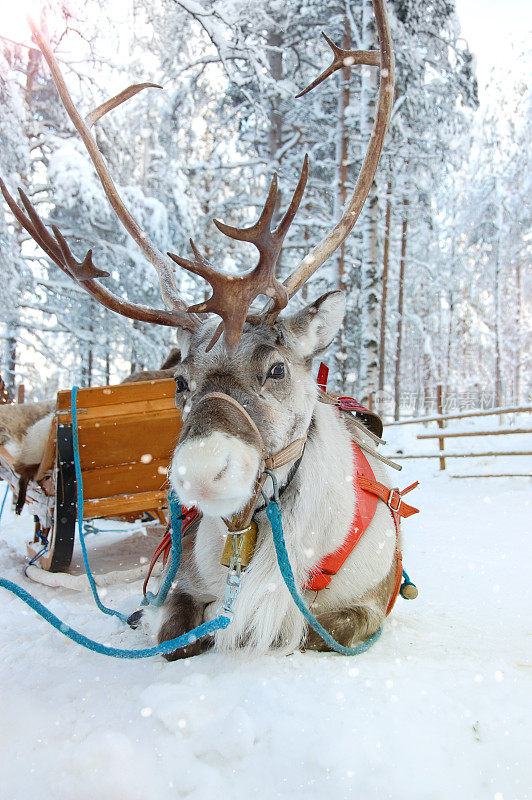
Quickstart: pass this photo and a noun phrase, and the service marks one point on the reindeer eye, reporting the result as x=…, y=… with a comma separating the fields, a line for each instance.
x=180, y=384
x=277, y=371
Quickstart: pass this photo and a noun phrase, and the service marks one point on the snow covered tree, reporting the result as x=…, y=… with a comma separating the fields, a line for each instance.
x=434, y=272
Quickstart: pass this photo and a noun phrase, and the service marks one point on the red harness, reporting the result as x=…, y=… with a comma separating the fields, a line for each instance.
x=368, y=491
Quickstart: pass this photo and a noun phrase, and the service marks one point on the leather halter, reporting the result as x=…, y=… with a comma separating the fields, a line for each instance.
x=293, y=451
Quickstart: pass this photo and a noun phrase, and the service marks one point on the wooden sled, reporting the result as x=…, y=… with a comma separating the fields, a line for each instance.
x=127, y=435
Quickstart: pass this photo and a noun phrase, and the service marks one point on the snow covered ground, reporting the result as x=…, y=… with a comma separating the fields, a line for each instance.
x=438, y=709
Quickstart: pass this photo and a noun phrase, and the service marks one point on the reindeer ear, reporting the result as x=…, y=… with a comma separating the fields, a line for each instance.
x=184, y=339
x=172, y=359
x=316, y=325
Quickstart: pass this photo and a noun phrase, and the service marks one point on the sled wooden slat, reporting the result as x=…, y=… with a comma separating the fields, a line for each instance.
x=100, y=396
x=120, y=409
x=125, y=440
x=125, y=478
x=127, y=504
x=127, y=435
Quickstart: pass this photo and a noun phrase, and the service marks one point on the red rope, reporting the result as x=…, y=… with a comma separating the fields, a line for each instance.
x=190, y=515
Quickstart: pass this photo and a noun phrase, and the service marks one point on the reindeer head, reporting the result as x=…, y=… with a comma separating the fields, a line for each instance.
x=261, y=369
x=220, y=451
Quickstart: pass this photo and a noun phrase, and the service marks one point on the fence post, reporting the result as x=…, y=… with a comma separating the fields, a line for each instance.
x=441, y=440
x=21, y=393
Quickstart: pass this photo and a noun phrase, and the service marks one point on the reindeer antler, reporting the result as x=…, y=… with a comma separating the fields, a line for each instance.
x=345, y=58
x=84, y=272
x=232, y=295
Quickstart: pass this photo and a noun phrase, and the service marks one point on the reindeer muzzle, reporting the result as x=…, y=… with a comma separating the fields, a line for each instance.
x=290, y=453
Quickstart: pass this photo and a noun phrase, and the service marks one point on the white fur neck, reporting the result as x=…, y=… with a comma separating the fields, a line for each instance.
x=317, y=510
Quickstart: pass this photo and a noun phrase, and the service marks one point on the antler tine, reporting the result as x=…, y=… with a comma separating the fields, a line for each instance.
x=81, y=271
x=232, y=295
x=199, y=266
x=95, y=115
x=260, y=233
x=384, y=58
x=37, y=230
x=292, y=209
x=46, y=242
x=342, y=58
x=252, y=234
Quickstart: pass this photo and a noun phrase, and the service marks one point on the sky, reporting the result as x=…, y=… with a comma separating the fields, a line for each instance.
x=495, y=31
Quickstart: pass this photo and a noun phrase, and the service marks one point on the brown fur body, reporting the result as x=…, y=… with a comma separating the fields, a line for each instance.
x=351, y=626
x=15, y=420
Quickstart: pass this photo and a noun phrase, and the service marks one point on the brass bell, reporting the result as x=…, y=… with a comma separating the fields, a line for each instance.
x=246, y=545
x=409, y=591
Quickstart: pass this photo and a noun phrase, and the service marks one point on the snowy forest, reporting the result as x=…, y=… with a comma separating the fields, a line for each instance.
x=273, y=688
x=435, y=270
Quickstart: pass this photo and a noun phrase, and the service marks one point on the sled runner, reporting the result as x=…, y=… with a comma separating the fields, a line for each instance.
x=127, y=434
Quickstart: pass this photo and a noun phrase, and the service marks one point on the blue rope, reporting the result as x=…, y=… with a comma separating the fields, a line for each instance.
x=35, y=558
x=206, y=628
x=91, y=530
x=175, y=529
x=79, y=488
x=165, y=647
x=274, y=515
x=4, y=501
x=273, y=512
x=175, y=553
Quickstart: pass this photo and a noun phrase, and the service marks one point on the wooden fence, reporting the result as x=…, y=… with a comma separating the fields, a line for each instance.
x=441, y=434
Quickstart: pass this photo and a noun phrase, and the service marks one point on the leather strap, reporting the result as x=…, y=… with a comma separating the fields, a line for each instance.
x=365, y=507
x=392, y=497
x=226, y=398
x=289, y=453
x=242, y=520
x=398, y=576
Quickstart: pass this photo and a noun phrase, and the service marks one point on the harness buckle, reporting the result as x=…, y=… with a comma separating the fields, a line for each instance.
x=275, y=487
x=394, y=495
x=233, y=583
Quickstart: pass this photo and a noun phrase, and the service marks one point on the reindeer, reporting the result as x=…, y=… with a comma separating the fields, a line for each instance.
x=248, y=400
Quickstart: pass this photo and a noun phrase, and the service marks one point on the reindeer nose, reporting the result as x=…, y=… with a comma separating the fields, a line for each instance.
x=219, y=475
x=216, y=467
x=216, y=472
